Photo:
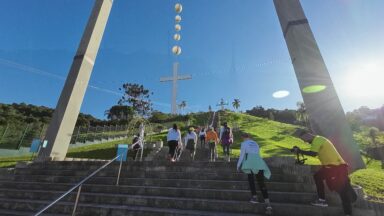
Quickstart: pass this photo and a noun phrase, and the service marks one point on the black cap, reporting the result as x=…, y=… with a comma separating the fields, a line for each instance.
x=245, y=135
x=300, y=132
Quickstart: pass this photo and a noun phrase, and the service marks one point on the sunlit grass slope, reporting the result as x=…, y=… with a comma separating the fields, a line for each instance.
x=275, y=140
x=273, y=137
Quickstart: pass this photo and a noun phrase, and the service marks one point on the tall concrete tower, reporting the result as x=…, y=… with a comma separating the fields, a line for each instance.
x=68, y=107
x=326, y=114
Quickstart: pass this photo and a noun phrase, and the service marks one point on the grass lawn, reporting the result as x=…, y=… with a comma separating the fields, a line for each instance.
x=98, y=151
x=275, y=140
x=273, y=137
x=371, y=179
x=6, y=162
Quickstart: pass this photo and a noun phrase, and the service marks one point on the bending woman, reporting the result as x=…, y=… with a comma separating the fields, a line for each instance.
x=252, y=164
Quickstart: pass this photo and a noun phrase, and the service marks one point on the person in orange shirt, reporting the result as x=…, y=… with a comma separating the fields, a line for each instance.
x=212, y=139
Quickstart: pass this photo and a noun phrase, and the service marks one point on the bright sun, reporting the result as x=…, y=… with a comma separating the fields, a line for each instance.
x=365, y=81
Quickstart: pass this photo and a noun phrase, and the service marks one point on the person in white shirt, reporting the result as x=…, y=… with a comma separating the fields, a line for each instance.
x=173, y=140
x=190, y=142
x=251, y=163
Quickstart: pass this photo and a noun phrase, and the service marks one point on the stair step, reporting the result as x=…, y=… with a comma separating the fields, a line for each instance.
x=231, y=176
x=163, y=208
x=189, y=193
x=125, y=169
x=104, y=210
x=24, y=213
x=136, y=165
x=188, y=183
x=161, y=188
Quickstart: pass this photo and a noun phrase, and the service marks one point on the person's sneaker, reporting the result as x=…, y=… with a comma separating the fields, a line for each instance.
x=321, y=203
x=268, y=210
x=253, y=200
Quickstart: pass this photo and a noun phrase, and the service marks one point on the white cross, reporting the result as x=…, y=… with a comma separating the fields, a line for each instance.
x=174, y=80
x=222, y=104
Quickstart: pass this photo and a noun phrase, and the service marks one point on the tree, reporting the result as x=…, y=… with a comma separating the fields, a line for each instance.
x=301, y=114
x=159, y=128
x=236, y=104
x=258, y=111
x=159, y=117
x=137, y=97
x=373, y=133
x=120, y=113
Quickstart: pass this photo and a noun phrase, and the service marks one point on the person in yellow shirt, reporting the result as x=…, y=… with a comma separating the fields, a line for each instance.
x=334, y=170
x=212, y=139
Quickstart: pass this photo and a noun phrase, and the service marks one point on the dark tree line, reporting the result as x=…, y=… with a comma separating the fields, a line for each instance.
x=20, y=123
x=27, y=113
x=160, y=117
x=285, y=116
x=365, y=116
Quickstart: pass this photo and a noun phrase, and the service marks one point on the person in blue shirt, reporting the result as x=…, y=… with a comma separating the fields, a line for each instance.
x=252, y=164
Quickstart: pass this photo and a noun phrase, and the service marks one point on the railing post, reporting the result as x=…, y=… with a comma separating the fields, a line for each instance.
x=118, y=174
x=22, y=136
x=77, y=135
x=142, y=149
x=5, y=131
x=86, y=134
x=77, y=200
x=41, y=132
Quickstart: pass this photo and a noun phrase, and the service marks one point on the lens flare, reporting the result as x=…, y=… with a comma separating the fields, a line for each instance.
x=280, y=94
x=314, y=89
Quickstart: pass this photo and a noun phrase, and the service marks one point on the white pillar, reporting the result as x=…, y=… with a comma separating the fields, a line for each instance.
x=68, y=107
x=326, y=114
x=174, y=87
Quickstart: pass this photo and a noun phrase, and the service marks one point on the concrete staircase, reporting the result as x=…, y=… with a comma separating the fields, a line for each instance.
x=162, y=188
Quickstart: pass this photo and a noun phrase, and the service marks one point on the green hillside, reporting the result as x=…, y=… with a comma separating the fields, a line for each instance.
x=20, y=123
x=273, y=137
x=275, y=140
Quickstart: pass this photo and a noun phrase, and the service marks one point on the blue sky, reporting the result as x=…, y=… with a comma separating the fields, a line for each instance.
x=232, y=49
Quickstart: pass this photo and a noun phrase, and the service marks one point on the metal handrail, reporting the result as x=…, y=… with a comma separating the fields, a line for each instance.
x=213, y=118
x=141, y=143
x=79, y=185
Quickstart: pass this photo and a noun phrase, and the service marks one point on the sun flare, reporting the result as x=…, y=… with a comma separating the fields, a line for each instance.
x=365, y=80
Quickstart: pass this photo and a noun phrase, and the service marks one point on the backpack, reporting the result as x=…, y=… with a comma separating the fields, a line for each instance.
x=190, y=144
x=226, y=136
x=135, y=144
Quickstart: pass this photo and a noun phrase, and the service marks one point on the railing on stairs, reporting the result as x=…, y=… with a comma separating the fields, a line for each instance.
x=80, y=184
x=213, y=118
